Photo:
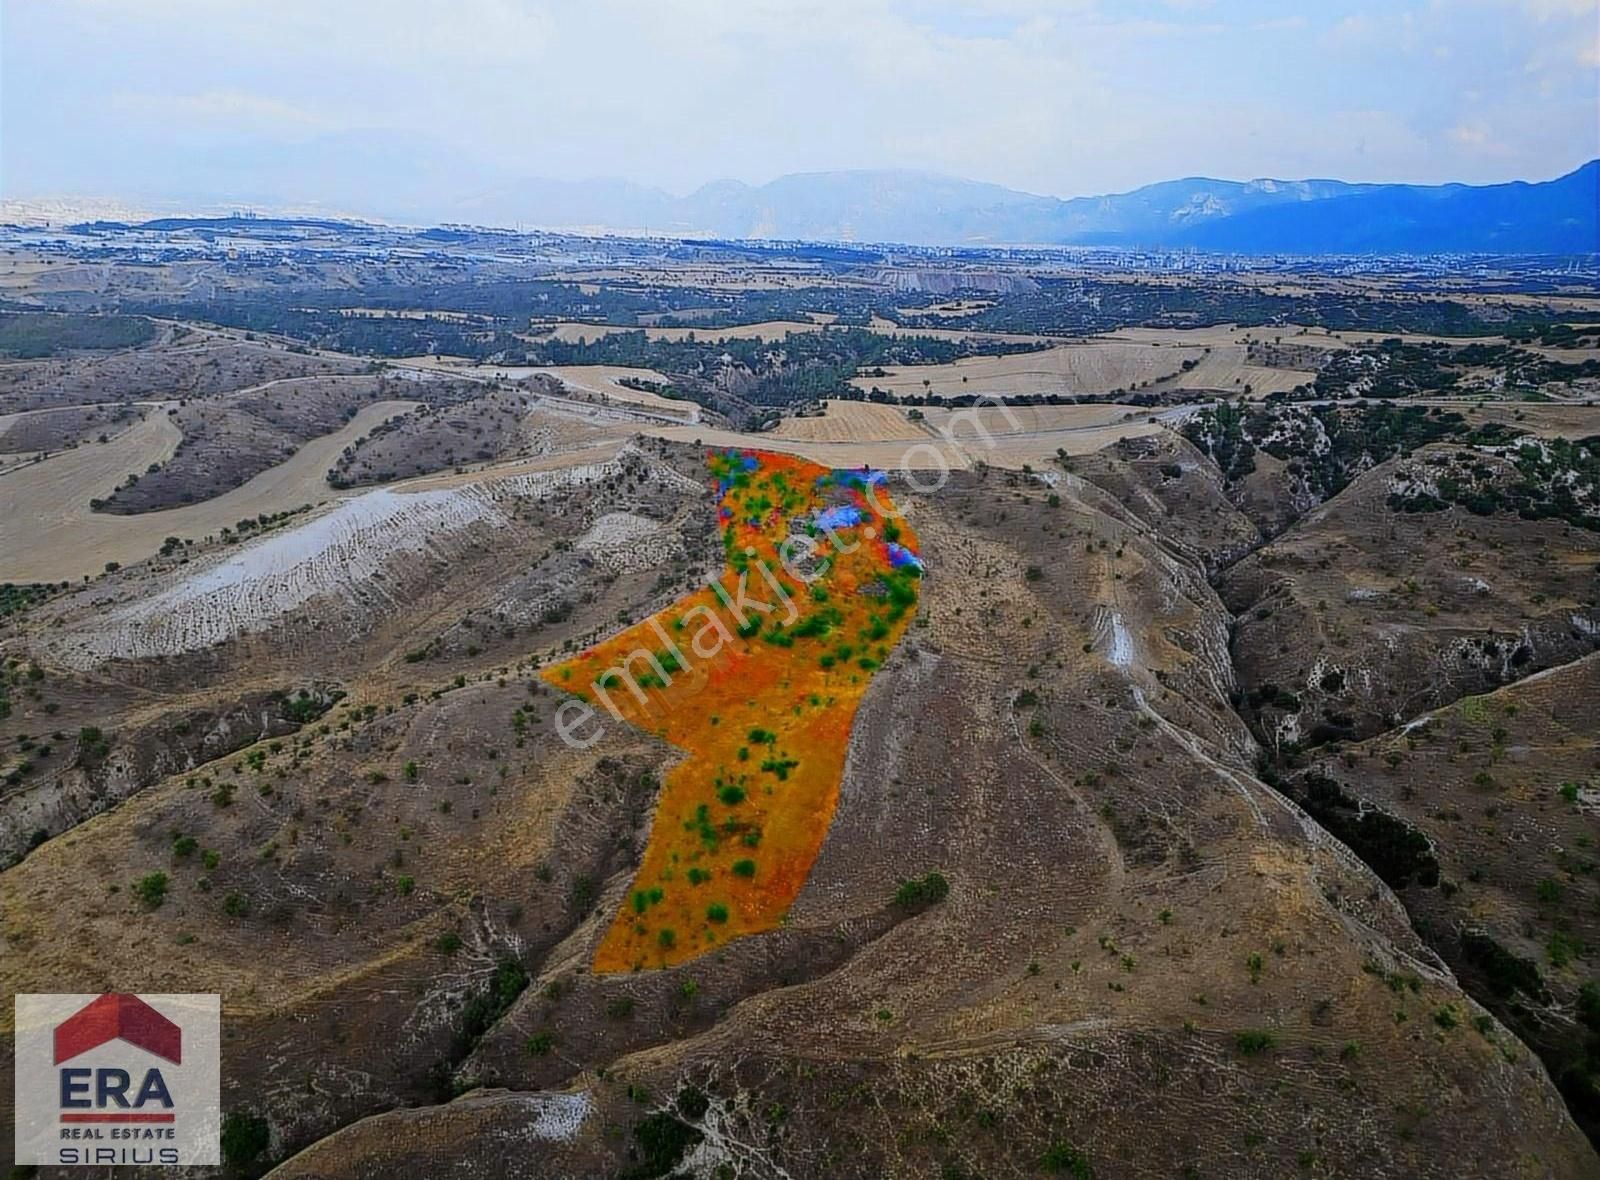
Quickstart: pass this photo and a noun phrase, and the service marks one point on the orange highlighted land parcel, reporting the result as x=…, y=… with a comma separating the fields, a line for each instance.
x=757, y=676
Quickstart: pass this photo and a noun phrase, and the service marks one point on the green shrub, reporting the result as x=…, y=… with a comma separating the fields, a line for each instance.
x=780, y=767
x=921, y=892
x=151, y=889
x=1063, y=1159
x=245, y=1137
x=303, y=707
x=488, y=1005
x=663, y=1140
x=1503, y=972
x=1254, y=1042
x=1563, y=947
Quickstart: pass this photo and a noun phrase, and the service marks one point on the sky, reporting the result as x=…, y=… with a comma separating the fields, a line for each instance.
x=209, y=99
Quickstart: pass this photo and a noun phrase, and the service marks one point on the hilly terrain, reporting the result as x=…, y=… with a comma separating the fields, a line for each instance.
x=584, y=596
x=1052, y=743
x=811, y=712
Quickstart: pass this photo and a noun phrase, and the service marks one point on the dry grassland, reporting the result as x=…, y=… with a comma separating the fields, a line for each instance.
x=1092, y=368
x=570, y=332
x=863, y=434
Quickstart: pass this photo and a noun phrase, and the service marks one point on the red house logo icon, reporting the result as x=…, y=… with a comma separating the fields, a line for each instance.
x=118, y=1016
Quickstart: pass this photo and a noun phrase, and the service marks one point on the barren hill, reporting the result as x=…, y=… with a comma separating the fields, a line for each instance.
x=1132, y=922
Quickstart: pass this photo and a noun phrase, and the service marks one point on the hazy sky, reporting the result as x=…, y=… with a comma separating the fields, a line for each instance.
x=1067, y=97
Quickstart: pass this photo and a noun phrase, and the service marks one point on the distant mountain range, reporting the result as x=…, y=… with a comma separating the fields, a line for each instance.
x=1247, y=217
x=430, y=183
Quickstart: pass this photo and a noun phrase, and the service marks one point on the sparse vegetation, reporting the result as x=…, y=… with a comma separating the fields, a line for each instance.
x=151, y=890
x=921, y=892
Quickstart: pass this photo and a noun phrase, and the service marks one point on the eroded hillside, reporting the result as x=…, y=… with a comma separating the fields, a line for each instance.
x=1414, y=653
x=1054, y=905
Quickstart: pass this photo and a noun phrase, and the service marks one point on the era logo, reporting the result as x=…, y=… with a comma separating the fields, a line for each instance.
x=136, y=1079
x=111, y=1088
x=116, y=1016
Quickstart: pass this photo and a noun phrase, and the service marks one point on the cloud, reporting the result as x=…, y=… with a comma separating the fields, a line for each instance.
x=1472, y=135
x=1058, y=96
x=227, y=109
x=1356, y=29
x=1558, y=9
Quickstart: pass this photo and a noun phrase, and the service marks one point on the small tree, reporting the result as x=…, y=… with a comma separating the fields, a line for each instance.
x=151, y=889
x=921, y=892
x=245, y=1137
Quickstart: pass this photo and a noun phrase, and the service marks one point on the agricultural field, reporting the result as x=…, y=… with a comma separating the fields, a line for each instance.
x=954, y=308
x=32, y=434
x=892, y=328
x=856, y=434
x=1073, y=370
x=607, y=381
x=1214, y=361
x=498, y=427
x=49, y=532
x=602, y=383
x=849, y=421
x=893, y=453
x=570, y=333
x=228, y=439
